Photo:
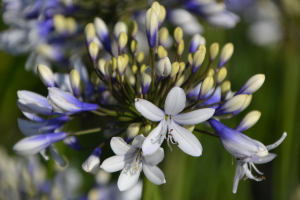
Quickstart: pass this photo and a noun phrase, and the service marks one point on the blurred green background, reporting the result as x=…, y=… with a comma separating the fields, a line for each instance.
x=211, y=175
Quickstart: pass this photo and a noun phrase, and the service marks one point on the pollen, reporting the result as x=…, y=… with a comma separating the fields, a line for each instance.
x=166, y=117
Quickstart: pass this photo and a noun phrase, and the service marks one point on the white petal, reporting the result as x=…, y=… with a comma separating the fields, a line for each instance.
x=128, y=178
x=194, y=117
x=265, y=159
x=149, y=110
x=138, y=141
x=156, y=157
x=187, y=142
x=116, y=163
x=239, y=173
x=154, y=140
x=175, y=101
x=120, y=147
x=153, y=173
x=272, y=146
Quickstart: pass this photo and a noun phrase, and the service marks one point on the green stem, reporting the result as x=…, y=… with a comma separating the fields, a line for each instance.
x=94, y=130
x=207, y=132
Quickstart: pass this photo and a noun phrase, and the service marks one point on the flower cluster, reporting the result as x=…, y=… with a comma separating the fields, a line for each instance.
x=145, y=102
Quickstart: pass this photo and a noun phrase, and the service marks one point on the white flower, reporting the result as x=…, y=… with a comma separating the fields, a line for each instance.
x=169, y=119
x=132, y=160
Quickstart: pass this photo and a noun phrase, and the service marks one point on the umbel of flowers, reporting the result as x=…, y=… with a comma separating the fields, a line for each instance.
x=148, y=101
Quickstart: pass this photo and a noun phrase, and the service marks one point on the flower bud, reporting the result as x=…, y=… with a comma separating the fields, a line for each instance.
x=174, y=69
x=213, y=51
x=102, y=33
x=252, y=85
x=108, y=69
x=92, y=163
x=151, y=26
x=156, y=7
x=245, y=105
x=248, y=121
x=93, y=50
x=233, y=104
x=162, y=15
x=225, y=89
x=90, y=33
x=71, y=25
x=163, y=68
x=195, y=42
x=181, y=67
x=134, y=46
x=132, y=131
x=183, y=77
x=64, y=102
x=113, y=62
x=147, y=129
x=126, y=59
x=178, y=35
x=226, y=54
x=161, y=52
x=133, y=28
x=146, y=79
x=46, y=75
x=211, y=72
x=221, y=75
x=75, y=82
x=34, y=144
x=59, y=23
x=198, y=60
x=122, y=41
x=121, y=65
x=202, y=46
x=190, y=128
x=180, y=48
x=163, y=36
x=101, y=65
x=206, y=85
x=140, y=57
x=119, y=27
x=135, y=69
x=58, y=159
x=139, y=85
x=130, y=76
x=190, y=59
x=142, y=68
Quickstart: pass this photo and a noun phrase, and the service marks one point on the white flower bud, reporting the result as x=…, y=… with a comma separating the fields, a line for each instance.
x=132, y=131
x=92, y=163
x=226, y=54
x=59, y=22
x=163, y=68
x=178, y=35
x=101, y=65
x=233, y=104
x=162, y=15
x=90, y=32
x=221, y=75
x=253, y=84
x=151, y=26
x=213, y=51
x=146, y=79
x=133, y=28
x=122, y=41
x=46, y=75
x=196, y=41
x=248, y=121
x=121, y=65
x=198, y=59
x=75, y=82
x=206, y=85
x=174, y=69
x=93, y=50
x=163, y=36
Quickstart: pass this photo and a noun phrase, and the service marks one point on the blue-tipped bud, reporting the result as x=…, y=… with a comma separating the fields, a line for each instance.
x=252, y=85
x=34, y=144
x=92, y=163
x=245, y=105
x=132, y=131
x=46, y=75
x=73, y=143
x=151, y=27
x=196, y=41
x=248, y=121
x=226, y=54
x=198, y=59
x=90, y=33
x=102, y=33
x=146, y=79
x=64, y=102
x=233, y=104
